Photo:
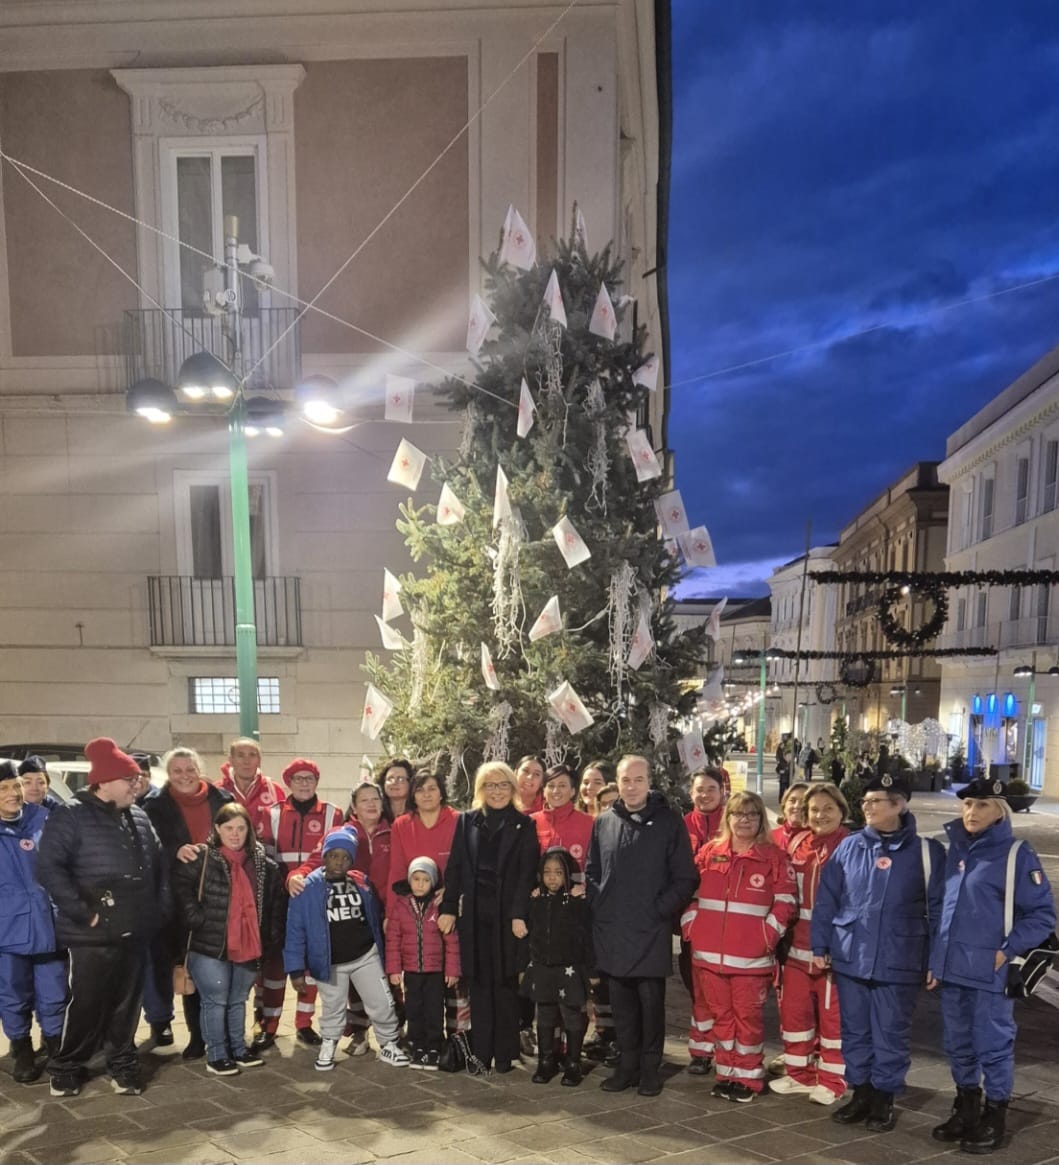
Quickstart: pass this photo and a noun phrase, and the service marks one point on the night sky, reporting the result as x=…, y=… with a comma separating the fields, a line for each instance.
x=839, y=166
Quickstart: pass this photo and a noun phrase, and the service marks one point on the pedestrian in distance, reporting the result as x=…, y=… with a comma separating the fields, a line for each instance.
x=985, y=868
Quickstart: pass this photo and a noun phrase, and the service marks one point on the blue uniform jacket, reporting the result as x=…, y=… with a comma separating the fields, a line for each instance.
x=870, y=913
x=27, y=920
x=971, y=927
x=308, y=944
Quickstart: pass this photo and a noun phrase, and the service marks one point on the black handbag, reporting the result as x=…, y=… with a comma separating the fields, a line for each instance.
x=1025, y=971
x=456, y=1056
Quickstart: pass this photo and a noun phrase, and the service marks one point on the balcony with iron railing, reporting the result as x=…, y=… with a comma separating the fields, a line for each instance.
x=156, y=343
x=200, y=612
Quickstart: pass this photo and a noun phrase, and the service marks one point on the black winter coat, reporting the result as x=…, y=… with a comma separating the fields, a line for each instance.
x=560, y=931
x=516, y=869
x=640, y=875
x=208, y=920
x=97, y=859
x=168, y=821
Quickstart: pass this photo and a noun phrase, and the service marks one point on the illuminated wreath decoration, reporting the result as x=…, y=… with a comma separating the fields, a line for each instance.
x=934, y=592
x=826, y=693
x=856, y=671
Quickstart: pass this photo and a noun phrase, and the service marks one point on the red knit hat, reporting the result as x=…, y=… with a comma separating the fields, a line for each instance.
x=108, y=762
x=299, y=765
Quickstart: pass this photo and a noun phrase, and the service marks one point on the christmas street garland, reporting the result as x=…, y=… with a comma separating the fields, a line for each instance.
x=934, y=592
x=945, y=578
x=857, y=671
x=884, y=653
x=826, y=693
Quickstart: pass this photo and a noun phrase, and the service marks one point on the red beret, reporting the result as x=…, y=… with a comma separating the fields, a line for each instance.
x=299, y=765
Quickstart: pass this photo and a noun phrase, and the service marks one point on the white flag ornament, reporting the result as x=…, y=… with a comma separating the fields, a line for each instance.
x=392, y=639
x=672, y=516
x=580, y=230
x=647, y=374
x=571, y=545
x=548, y=621
x=692, y=750
x=400, y=394
x=553, y=299
x=643, y=456
x=489, y=671
x=641, y=643
x=478, y=325
x=501, y=499
x=566, y=704
x=697, y=547
x=713, y=624
x=450, y=508
x=367, y=770
x=713, y=689
x=407, y=467
x=376, y=712
x=517, y=247
x=526, y=409
x=391, y=589
x=603, y=322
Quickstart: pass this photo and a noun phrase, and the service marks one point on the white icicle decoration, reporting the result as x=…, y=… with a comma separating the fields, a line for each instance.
x=552, y=388
x=658, y=724
x=620, y=621
x=500, y=721
x=419, y=668
x=554, y=749
x=508, y=606
x=598, y=460
x=470, y=426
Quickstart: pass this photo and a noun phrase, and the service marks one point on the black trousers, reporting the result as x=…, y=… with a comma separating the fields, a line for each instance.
x=494, y=1005
x=639, y=1006
x=558, y=1015
x=424, y=1002
x=106, y=990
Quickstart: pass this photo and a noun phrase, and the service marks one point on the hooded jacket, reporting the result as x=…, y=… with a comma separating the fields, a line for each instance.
x=809, y=852
x=27, y=925
x=413, y=941
x=308, y=942
x=971, y=926
x=640, y=874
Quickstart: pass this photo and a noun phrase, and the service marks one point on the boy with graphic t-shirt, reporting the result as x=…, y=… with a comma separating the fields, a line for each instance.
x=334, y=932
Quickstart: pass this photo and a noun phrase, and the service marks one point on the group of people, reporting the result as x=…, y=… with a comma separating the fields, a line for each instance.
x=549, y=899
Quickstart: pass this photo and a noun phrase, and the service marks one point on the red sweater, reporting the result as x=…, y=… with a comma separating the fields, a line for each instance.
x=410, y=838
x=568, y=827
x=413, y=941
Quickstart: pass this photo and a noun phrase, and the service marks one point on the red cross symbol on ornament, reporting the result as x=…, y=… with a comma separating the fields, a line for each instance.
x=674, y=513
x=571, y=707
x=519, y=239
x=490, y=669
x=570, y=539
x=405, y=462
x=696, y=752
x=369, y=711
x=645, y=455
x=700, y=545
x=444, y=511
x=396, y=398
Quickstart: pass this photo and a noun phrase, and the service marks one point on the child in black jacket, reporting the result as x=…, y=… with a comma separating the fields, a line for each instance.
x=558, y=976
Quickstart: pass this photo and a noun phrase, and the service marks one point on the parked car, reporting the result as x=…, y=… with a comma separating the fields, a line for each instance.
x=60, y=752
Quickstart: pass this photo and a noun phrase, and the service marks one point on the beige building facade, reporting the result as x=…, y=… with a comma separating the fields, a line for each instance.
x=370, y=153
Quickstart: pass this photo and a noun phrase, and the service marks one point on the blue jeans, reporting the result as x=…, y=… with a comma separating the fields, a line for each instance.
x=223, y=988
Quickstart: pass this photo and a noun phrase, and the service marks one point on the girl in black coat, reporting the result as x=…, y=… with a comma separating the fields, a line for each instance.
x=558, y=976
x=487, y=889
x=232, y=900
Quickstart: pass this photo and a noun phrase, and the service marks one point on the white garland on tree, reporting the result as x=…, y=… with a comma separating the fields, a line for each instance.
x=621, y=621
x=598, y=460
x=550, y=383
x=658, y=724
x=470, y=430
x=496, y=747
x=508, y=605
x=554, y=749
x=420, y=647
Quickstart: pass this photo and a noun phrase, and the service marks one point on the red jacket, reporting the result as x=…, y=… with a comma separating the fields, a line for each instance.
x=744, y=906
x=784, y=834
x=413, y=941
x=291, y=836
x=260, y=797
x=373, y=855
x=410, y=838
x=703, y=827
x=808, y=855
x=568, y=827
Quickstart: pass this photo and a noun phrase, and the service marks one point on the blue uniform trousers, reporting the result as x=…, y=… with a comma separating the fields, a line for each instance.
x=28, y=983
x=979, y=1038
x=876, y=1031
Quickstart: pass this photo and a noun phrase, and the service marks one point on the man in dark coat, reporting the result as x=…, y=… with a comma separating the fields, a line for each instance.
x=640, y=875
x=101, y=863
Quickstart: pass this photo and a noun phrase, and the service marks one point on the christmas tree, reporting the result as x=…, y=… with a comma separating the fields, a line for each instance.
x=477, y=680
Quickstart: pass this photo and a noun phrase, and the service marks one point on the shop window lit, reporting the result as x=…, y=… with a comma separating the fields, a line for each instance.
x=210, y=695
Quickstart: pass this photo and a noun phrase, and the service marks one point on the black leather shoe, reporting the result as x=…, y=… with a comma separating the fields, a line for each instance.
x=306, y=1035
x=856, y=1108
x=195, y=1050
x=620, y=1081
x=263, y=1041
x=700, y=1066
x=883, y=1115
x=162, y=1035
x=989, y=1134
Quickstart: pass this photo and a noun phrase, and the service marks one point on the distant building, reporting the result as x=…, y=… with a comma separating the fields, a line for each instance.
x=1002, y=468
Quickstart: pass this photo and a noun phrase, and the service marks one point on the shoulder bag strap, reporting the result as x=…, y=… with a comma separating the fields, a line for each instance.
x=925, y=852
x=1009, y=889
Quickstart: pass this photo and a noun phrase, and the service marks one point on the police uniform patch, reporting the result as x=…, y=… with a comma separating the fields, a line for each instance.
x=1036, y=877
x=883, y=863
x=26, y=843
x=998, y=787
x=886, y=781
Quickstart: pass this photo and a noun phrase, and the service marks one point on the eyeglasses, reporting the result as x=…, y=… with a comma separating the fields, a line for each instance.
x=745, y=816
x=397, y=779
x=869, y=802
x=302, y=779
x=495, y=787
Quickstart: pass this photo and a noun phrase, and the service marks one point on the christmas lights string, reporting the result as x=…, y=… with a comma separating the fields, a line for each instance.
x=945, y=578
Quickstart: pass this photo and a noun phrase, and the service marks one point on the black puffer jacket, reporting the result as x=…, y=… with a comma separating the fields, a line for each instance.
x=97, y=859
x=560, y=929
x=208, y=920
x=168, y=821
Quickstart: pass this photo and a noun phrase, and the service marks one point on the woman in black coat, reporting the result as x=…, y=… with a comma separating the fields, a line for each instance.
x=487, y=889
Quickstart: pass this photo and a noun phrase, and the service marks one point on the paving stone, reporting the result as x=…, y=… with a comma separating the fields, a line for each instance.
x=343, y=1154
x=252, y=1145
x=717, y=1153
x=618, y=1150
x=58, y=1127
x=778, y=1143
x=203, y=1154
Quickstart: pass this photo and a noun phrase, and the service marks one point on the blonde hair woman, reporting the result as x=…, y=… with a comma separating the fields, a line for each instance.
x=487, y=887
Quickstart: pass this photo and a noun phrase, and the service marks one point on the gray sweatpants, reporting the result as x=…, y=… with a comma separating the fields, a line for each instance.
x=368, y=977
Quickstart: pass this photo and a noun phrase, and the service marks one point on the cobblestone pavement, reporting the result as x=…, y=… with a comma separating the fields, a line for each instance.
x=365, y=1111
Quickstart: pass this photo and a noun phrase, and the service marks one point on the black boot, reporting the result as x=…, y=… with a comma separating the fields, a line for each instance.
x=856, y=1108
x=990, y=1131
x=966, y=1109
x=547, y=1068
x=572, y=1069
x=882, y=1117
x=626, y=1075
x=650, y=1081
x=25, y=1069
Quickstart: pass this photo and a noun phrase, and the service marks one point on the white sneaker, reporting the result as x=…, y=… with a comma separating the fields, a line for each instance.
x=393, y=1053
x=778, y=1065
x=788, y=1086
x=358, y=1044
x=325, y=1056
x=821, y=1094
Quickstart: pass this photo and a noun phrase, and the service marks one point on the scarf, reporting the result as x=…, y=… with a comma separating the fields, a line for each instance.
x=244, y=933
x=196, y=812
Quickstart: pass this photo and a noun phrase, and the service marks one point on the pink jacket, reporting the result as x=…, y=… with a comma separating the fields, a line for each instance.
x=413, y=941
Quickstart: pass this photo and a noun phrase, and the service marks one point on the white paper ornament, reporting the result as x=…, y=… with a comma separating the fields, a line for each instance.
x=641, y=644
x=647, y=374
x=580, y=230
x=526, y=409
x=553, y=300
x=713, y=689
x=478, y=325
x=643, y=456
x=501, y=499
x=407, y=467
x=392, y=639
x=603, y=322
x=567, y=705
x=548, y=621
x=517, y=246
x=377, y=709
x=571, y=545
x=713, y=623
x=692, y=750
x=671, y=514
x=697, y=547
x=450, y=508
x=489, y=671
x=400, y=395
x=391, y=589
